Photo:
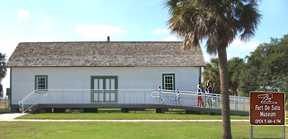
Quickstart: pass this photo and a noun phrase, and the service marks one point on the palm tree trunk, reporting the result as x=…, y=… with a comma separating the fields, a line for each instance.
x=223, y=70
x=236, y=92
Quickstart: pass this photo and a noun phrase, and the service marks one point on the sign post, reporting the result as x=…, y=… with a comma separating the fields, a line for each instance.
x=267, y=108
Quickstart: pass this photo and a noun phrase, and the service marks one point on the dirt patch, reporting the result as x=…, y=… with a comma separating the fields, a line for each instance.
x=6, y=126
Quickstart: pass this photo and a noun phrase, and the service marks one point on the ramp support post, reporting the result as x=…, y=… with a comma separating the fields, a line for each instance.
x=160, y=110
x=124, y=110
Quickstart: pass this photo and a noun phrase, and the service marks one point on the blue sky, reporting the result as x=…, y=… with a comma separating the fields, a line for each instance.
x=122, y=20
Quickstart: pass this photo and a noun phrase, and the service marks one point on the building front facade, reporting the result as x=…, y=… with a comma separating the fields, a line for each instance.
x=96, y=66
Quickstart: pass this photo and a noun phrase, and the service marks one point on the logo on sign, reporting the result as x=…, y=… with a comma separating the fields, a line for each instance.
x=266, y=98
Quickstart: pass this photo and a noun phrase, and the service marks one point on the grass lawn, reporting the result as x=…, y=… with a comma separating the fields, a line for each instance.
x=135, y=115
x=105, y=130
x=125, y=116
x=125, y=130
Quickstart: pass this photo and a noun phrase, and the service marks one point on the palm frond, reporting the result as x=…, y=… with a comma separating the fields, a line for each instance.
x=218, y=21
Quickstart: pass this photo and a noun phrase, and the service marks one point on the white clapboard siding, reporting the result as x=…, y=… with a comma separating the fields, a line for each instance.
x=23, y=81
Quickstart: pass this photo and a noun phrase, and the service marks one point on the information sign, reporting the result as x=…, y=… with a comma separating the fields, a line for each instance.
x=267, y=108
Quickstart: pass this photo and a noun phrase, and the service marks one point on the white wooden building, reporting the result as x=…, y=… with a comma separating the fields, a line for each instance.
x=102, y=65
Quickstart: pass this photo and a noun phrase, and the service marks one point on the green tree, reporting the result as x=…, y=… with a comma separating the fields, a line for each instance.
x=235, y=66
x=266, y=68
x=3, y=71
x=211, y=75
x=218, y=22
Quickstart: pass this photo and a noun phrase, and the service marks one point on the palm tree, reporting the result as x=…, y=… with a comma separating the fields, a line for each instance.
x=211, y=75
x=218, y=22
x=2, y=71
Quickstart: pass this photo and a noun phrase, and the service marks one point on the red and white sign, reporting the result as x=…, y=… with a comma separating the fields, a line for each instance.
x=267, y=108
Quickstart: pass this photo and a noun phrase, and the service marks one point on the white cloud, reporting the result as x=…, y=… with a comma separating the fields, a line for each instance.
x=159, y=31
x=97, y=31
x=22, y=14
x=238, y=45
x=208, y=57
x=45, y=23
x=250, y=46
x=171, y=38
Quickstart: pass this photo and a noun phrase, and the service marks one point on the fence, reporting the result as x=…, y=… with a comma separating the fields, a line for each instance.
x=125, y=96
x=4, y=104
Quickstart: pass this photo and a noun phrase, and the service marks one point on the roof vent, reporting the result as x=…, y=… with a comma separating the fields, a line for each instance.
x=108, y=38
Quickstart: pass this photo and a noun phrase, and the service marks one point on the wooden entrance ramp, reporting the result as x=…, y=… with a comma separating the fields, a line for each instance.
x=160, y=108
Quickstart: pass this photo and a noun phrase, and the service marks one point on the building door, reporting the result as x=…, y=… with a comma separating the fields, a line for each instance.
x=104, y=89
